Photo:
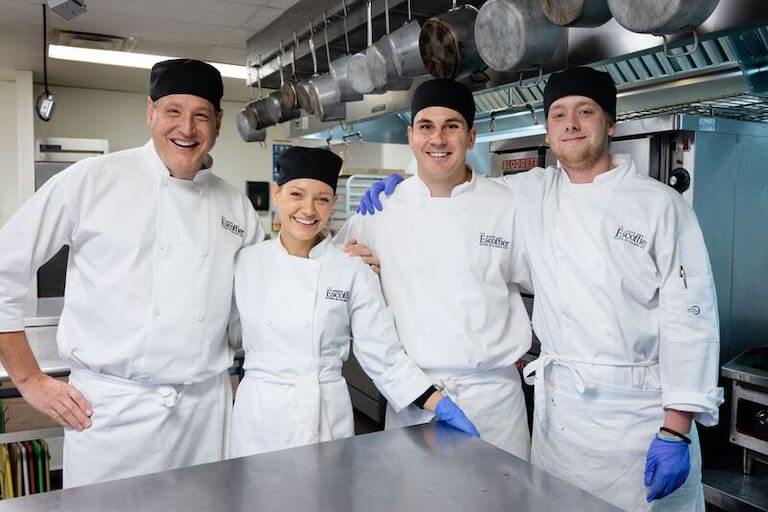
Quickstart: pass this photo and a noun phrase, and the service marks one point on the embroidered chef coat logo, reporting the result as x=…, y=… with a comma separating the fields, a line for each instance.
x=493, y=241
x=631, y=237
x=231, y=226
x=340, y=295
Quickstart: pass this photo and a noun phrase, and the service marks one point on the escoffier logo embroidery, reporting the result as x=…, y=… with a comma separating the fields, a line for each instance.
x=631, y=237
x=231, y=226
x=340, y=295
x=493, y=241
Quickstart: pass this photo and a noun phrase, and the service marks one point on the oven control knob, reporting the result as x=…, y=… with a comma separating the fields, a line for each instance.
x=679, y=179
x=762, y=417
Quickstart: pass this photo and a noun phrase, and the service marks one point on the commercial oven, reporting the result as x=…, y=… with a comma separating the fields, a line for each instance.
x=53, y=155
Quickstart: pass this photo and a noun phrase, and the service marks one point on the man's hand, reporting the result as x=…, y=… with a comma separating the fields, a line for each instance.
x=58, y=400
x=355, y=249
x=370, y=202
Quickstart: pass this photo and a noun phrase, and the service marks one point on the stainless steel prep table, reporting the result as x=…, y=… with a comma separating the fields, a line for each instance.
x=424, y=468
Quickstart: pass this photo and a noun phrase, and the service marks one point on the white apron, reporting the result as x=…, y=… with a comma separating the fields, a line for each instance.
x=142, y=428
x=286, y=403
x=596, y=435
x=492, y=400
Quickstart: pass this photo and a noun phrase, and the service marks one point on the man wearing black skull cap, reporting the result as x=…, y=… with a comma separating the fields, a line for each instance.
x=617, y=260
x=153, y=235
x=625, y=310
x=452, y=265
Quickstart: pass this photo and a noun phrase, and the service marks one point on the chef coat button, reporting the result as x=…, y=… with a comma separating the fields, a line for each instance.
x=205, y=253
x=307, y=323
x=156, y=311
x=268, y=321
x=458, y=275
x=607, y=331
x=566, y=323
x=163, y=247
x=199, y=317
x=202, y=193
x=560, y=256
x=603, y=200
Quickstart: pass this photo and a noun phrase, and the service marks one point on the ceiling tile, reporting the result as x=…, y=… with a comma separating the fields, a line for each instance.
x=261, y=18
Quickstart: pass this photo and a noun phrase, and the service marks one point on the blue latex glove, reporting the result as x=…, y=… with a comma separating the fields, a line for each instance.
x=666, y=467
x=369, y=201
x=452, y=414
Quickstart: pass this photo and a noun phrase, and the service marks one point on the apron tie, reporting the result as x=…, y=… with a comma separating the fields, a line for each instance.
x=535, y=374
x=306, y=375
x=168, y=394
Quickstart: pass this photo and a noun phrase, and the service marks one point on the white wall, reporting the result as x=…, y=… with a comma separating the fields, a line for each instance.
x=9, y=181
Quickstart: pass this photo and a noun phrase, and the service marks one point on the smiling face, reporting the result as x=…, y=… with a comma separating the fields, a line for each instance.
x=440, y=139
x=305, y=207
x=184, y=128
x=578, y=131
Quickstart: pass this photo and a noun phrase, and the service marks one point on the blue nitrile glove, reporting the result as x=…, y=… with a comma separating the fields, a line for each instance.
x=370, y=198
x=452, y=414
x=666, y=467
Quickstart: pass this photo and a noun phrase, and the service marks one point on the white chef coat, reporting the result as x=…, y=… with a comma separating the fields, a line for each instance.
x=624, y=335
x=298, y=316
x=151, y=263
x=450, y=269
x=149, y=281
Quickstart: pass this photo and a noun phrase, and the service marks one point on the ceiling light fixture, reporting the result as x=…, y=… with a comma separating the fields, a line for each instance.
x=130, y=59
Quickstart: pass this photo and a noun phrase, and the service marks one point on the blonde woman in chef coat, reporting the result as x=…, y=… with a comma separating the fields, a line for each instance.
x=300, y=300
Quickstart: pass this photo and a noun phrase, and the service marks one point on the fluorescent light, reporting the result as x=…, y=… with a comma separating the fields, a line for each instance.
x=130, y=59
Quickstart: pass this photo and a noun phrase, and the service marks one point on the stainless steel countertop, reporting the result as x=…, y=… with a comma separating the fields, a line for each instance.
x=424, y=468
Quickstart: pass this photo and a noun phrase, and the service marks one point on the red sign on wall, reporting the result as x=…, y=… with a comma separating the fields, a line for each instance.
x=519, y=164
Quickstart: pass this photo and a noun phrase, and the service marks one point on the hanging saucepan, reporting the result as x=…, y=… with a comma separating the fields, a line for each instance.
x=380, y=61
x=404, y=48
x=267, y=109
x=515, y=34
x=286, y=94
x=576, y=13
x=246, y=125
x=447, y=43
x=339, y=68
x=324, y=93
x=358, y=73
x=302, y=91
x=661, y=16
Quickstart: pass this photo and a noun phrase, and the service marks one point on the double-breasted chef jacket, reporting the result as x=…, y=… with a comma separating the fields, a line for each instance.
x=451, y=270
x=298, y=317
x=148, y=295
x=626, y=313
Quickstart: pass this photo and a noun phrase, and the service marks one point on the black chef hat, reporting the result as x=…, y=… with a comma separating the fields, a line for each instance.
x=313, y=163
x=186, y=76
x=582, y=81
x=444, y=92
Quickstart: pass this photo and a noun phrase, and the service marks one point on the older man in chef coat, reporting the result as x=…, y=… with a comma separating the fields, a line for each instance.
x=153, y=234
x=625, y=309
x=451, y=257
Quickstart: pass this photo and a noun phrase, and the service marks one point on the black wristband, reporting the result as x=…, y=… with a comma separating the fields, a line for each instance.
x=419, y=402
x=678, y=434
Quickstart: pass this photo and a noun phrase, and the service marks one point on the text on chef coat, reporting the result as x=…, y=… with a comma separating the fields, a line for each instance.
x=340, y=295
x=231, y=226
x=493, y=241
x=631, y=237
